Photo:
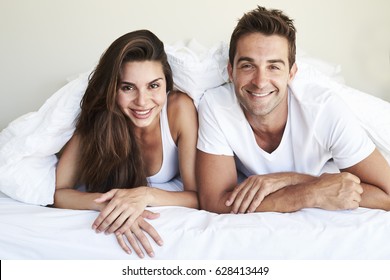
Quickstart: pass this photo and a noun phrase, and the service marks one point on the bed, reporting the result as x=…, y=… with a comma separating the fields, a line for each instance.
x=31, y=230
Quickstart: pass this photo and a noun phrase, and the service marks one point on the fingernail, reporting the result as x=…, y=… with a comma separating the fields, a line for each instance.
x=151, y=254
x=160, y=242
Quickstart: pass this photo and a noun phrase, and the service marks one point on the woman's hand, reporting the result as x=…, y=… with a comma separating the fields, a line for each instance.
x=123, y=208
x=137, y=232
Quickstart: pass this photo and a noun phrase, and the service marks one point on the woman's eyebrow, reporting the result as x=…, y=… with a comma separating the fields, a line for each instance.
x=133, y=84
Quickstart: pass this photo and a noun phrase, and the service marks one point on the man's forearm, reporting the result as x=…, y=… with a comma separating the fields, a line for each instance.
x=288, y=199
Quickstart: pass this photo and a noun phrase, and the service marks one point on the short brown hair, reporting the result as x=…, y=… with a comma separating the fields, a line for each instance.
x=268, y=22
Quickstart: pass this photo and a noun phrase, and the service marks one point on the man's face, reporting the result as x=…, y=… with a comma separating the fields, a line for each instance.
x=260, y=73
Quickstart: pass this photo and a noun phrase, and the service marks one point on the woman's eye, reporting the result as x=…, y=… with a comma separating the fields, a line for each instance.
x=154, y=86
x=127, y=88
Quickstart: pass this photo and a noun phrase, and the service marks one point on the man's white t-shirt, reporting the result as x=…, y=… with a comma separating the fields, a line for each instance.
x=321, y=134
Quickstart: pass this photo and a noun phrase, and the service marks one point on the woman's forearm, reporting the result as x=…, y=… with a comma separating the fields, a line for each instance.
x=157, y=197
x=77, y=200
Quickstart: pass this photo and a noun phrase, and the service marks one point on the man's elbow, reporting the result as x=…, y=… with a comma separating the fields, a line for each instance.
x=213, y=205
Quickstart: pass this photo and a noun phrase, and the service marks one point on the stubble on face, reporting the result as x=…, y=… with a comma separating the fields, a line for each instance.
x=261, y=74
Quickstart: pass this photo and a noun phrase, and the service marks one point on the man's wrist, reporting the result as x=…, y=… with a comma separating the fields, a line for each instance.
x=298, y=178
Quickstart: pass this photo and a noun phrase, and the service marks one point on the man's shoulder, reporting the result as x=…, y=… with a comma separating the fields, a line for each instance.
x=222, y=95
x=314, y=94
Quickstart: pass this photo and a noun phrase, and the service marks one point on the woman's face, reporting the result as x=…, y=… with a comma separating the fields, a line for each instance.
x=142, y=92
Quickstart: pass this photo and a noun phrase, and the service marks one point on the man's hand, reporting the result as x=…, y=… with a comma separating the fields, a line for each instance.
x=337, y=191
x=137, y=233
x=248, y=195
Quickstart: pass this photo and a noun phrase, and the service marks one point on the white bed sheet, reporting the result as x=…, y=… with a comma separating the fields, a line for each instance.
x=35, y=232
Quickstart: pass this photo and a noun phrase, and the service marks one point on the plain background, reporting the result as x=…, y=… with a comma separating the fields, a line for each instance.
x=43, y=42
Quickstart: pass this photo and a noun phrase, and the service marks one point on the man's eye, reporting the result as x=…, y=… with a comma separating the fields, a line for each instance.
x=246, y=67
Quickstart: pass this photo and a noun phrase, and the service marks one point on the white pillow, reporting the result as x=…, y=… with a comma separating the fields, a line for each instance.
x=196, y=68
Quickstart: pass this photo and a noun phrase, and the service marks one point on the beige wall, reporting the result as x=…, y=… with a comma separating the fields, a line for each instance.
x=42, y=42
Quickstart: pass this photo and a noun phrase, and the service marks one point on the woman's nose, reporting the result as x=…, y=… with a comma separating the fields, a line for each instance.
x=140, y=100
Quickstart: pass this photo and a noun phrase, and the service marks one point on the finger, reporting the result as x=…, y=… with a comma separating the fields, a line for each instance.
x=106, y=196
x=360, y=189
x=134, y=244
x=248, y=199
x=122, y=243
x=102, y=216
x=122, y=223
x=353, y=205
x=143, y=240
x=127, y=218
x=109, y=220
x=353, y=178
x=357, y=197
x=149, y=229
x=150, y=215
x=233, y=194
x=259, y=197
x=239, y=199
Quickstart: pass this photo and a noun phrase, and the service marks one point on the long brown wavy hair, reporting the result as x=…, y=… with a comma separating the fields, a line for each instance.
x=110, y=156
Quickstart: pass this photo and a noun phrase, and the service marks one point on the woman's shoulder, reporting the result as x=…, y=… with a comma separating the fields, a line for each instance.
x=176, y=97
x=182, y=114
x=179, y=102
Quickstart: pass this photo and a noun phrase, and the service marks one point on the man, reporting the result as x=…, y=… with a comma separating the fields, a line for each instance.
x=289, y=145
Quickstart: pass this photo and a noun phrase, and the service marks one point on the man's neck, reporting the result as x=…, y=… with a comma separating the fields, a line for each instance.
x=269, y=129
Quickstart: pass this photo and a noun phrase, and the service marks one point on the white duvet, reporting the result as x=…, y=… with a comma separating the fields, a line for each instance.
x=35, y=232
x=27, y=180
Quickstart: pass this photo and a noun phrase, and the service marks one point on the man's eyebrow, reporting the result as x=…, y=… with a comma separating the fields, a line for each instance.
x=245, y=58
x=276, y=61
x=249, y=59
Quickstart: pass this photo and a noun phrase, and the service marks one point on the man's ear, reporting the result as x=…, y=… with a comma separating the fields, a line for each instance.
x=292, y=73
x=230, y=71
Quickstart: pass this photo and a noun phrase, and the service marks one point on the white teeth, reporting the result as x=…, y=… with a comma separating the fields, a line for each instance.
x=261, y=94
x=142, y=112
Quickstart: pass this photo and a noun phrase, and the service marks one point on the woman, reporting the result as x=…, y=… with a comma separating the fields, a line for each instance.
x=133, y=131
